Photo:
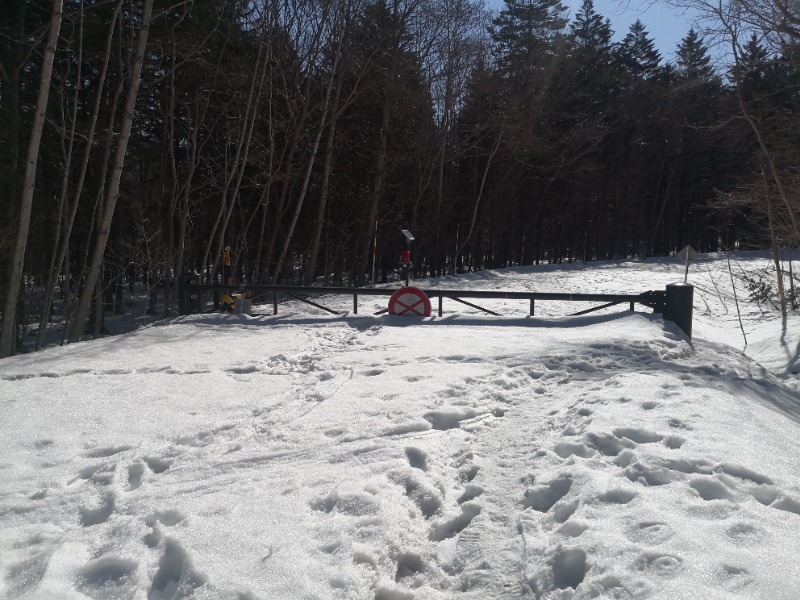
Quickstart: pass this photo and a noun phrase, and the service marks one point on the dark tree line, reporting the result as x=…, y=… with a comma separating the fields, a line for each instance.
x=141, y=139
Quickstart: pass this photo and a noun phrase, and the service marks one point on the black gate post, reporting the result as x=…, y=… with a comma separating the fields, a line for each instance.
x=188, y=300
x=183, y=293
x=679, y=307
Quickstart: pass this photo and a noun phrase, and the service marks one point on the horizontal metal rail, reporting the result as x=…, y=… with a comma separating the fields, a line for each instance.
x=291, y=289
x=652, y=299
x=675, y=303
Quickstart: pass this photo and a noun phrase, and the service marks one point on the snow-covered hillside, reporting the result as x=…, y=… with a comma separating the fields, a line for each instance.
x=305, y=455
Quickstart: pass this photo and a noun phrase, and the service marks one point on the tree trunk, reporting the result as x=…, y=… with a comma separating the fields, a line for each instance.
x=316, y=238
x=72, y=207
x=468, y=237
x=326, y=109
x=7, y=335
x=112, y=193
x=774, y=242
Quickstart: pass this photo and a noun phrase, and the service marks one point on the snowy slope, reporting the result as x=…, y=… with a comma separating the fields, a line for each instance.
x=313, y=456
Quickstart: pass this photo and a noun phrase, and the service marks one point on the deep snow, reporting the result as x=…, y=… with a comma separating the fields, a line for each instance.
x=313, y=456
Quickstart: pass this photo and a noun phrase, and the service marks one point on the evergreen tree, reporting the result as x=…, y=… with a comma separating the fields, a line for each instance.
x=590, y=32
x=754, y=73
x=637, y=54
x=588, y=94
x=525, y=33
x=693, y=59
x=591, y=51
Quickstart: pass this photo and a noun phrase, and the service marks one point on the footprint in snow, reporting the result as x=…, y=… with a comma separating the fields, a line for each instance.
x=23, y=575
x=167, y=518
x=135, y=473
x=470, y=492
x=452, y=527
x=565, y=568
x=661, y=565
x=734, y=579
x=673, y=442
x=425, y=498
x=417, y=459
x=108, y=577
x=608, y=444
x=99, y=514
x=567, y=449
x=787, y=504
x=157, y=464
x=638, y=435
x=569, y=568
x=390, y=593
x=175, y=577
x=354, y=504
x=243, y=370
x=444, y=420
x=105, y=452
x=745, y=534
x=651, y=475
x=543, y=498
x=572, y=529
x=98, y=473
x=409, y=564
x=469, y=473
x=650, y=532
x=618, y=496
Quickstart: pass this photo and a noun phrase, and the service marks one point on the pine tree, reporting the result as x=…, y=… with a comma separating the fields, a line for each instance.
x=753, y=69
x=637, y=54
x=693, y=59
x=590, y=81
x=525, y=32
x=590, y=32
x=591, y=51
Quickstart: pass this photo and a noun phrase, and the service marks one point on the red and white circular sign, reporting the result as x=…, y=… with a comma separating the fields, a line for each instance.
x=410, y=301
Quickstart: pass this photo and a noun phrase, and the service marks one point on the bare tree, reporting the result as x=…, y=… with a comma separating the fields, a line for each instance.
x=113, y=187
x=7, y=336
x=339, y=31
x=71, y=205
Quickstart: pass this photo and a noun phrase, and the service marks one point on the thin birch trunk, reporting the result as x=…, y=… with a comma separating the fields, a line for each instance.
x=323, y=198
x=311, y=161
x=468, y=237
x=236, y=169
x=377, y=188
x=62, y=261
x=55, y=264
x=241, y=164
x=775, y=246
x=8, y=333
x=116, y=174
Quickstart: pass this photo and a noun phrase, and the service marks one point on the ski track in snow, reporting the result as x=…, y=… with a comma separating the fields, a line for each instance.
x=352, y=458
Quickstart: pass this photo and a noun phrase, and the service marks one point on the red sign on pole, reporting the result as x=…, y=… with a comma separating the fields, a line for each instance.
x=410, y=301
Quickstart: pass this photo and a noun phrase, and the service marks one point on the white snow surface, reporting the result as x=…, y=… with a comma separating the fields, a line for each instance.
x=307, y=455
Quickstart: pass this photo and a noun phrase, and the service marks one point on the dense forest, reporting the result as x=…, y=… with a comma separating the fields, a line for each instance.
x=141, y=139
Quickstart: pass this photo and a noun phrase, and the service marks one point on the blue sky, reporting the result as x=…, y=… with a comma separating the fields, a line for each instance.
x=664, y=24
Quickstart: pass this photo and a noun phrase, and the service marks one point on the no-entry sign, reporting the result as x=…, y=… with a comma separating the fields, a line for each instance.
x=410, y=301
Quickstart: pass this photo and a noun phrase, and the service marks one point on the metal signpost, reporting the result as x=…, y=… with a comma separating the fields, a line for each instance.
x=687, y=255
x=405, y=255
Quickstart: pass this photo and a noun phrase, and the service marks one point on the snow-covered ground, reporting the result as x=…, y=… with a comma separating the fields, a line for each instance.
x=306, y=455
